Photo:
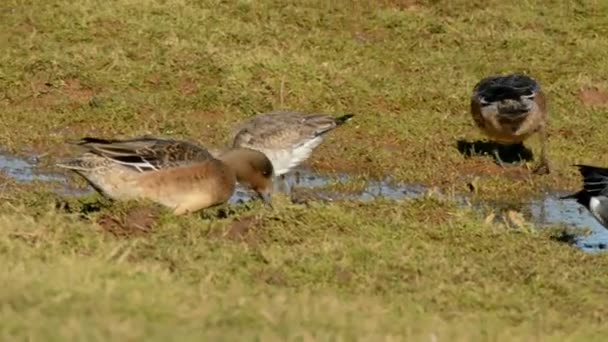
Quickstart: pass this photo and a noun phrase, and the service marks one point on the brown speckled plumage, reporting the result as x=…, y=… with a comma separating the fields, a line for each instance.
x=287, y=138
x=177, y=174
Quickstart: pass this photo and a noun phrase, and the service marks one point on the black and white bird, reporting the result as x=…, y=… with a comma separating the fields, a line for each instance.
x=594, y=195
x=509, y=109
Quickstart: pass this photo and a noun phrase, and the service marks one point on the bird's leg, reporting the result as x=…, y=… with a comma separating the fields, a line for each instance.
x=283, y=184
x=297, y=174
x=287, y=185
x=517, y=151
x=496, y=153
x=543, y=167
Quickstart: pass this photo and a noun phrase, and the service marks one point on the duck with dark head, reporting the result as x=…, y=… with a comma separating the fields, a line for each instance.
x=509, y=109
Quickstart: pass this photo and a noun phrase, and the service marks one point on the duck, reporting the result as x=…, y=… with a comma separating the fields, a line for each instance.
x=287, y=138
x=509, y=109
x=594, y=195
x=177, y=174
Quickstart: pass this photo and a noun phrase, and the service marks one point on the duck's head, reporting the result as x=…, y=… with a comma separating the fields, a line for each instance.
x=252, y=169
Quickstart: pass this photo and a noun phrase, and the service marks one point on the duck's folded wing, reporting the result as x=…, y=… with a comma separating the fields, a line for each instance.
x=285, y=129
x=146, y=153
x=319, y=124
x=595, y=179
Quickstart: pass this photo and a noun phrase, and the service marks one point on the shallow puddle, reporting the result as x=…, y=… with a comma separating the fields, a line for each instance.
x=552, y=210
x=321, y=188
x=549, y=210
x=23, y=170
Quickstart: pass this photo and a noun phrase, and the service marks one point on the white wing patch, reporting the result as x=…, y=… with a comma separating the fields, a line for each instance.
x=301, y=152
x=141, y=167
x=283, y=160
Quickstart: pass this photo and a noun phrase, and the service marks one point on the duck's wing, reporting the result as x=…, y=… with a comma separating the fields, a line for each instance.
x=146, y=153
x=285, y=129
x=319, y=124
x=595, y=179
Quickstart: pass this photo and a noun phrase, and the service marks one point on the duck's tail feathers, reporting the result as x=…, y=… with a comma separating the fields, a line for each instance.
x=90, y=140
x=73, y=164
x=595, y=178
x=582, y=197
x=593, y=171
x=575, y=195
x=343, y=119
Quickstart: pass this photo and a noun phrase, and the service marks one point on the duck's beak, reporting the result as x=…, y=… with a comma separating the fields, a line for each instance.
x=266, y=197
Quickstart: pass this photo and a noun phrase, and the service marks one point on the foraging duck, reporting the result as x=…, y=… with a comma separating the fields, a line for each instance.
x=509, y=109
x=287, y=138
x=594, y=195
x=177, y=174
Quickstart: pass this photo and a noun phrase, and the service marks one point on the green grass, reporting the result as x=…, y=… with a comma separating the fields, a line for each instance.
x=376, y=271
x=406, y=269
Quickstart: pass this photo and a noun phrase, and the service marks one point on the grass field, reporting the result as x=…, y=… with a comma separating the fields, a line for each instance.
x=423, y=269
